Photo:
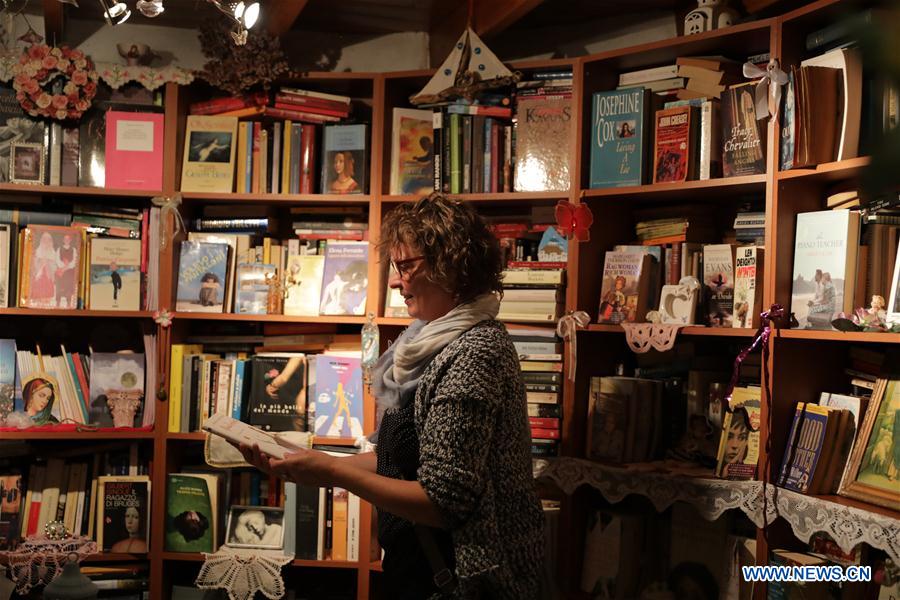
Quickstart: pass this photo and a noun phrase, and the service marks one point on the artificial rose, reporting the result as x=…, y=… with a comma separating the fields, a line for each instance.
x=43, y=100
x=76, y=54
x=79, y=78
x=63, y=64
x=82, y=105
x=56, y=52
x=62, y=114
x=70, y=89
x=41, y=75
x=60, y=101
x=50, y=62
x=31, y=86
x=37, y=52
x=90, y=88
x=80, y=63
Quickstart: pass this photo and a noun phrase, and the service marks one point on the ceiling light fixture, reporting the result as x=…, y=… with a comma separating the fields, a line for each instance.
x=243, y=17
x=150, y=8
x=115, y=14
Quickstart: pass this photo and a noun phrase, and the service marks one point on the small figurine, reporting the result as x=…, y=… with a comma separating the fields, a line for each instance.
x=709, y=15
x=877, y=307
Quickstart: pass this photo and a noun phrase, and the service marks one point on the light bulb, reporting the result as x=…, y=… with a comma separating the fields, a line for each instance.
x=251, y=15
x=238, y=10
x=116, y=10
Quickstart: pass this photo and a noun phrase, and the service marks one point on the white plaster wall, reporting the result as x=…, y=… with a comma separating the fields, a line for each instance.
x=175, y=45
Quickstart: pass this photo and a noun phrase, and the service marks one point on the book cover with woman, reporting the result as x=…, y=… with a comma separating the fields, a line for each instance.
x=123, y=514
x=51, y=267
x=344, y=159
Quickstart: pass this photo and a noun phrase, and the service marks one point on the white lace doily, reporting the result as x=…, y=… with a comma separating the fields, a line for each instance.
x=116, y=75
x=806, y=515
x=37, y=561
x=641, y=337
x=242, y=572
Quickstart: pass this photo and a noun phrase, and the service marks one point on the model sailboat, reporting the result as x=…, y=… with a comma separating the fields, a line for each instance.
x=469, y=68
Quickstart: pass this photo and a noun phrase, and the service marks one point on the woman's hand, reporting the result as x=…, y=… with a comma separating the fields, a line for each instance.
x=306, y=467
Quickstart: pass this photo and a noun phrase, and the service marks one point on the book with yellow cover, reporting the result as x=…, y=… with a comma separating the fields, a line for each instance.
x=209, y=148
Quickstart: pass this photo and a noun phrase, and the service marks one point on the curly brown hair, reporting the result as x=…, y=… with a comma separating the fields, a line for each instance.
x=462, y=254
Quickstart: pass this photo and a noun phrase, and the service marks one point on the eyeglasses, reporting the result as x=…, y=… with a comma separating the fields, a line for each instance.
x=403, y=267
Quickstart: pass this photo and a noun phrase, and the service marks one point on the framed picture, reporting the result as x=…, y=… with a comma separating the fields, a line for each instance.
x=874, y=467
x=255, y=527
x=26, y=163
x=893, y=308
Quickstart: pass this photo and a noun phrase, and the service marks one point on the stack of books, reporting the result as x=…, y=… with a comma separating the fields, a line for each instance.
x=540, y=358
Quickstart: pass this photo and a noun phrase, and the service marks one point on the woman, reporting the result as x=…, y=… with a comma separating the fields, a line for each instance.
x=453, y=453
x=253, y=530
x=39, y=396
x=135, y=542
x=43, y=273
x=344, y=168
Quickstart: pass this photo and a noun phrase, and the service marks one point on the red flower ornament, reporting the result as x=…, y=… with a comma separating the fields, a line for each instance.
x=574, y=220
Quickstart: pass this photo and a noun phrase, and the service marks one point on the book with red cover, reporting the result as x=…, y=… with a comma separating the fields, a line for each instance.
x=220, y=105
x=317, y=110
x=307, y=159
x=134, y=150
x=308, y=101
x=674, y=146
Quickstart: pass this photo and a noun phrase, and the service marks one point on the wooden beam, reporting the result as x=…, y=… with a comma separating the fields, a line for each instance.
x=280, y=16
x=490, y=18
x=53, y=21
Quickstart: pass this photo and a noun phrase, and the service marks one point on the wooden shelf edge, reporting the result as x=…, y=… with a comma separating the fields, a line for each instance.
x=25, y=434
x=49, y=312
x=829, y=170
x=288, y=198
x=859, y=504
x=350, y=320
x=96, y=557
x=71, y=190
x=838, y=336
x=699, y=330
x=487, y=197
x=328, y=564
x=375, y=565
x=653, y=189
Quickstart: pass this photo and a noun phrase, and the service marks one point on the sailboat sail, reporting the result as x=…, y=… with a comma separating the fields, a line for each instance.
x=469, y=68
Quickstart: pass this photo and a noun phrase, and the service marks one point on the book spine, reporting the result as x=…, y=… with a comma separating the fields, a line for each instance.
x=307, y=159
x=296, y=156
x=437, y=124
x=313, y=110
x=456, y=180
x=308, y=102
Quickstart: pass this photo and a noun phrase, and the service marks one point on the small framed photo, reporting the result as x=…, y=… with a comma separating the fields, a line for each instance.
x=255, y=527
x=26, y=164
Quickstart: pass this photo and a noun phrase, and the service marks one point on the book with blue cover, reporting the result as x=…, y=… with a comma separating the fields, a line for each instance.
x=339, y=396
x=7, y=378
x=344, y=159
x=345, y=279
x=619, y=137
x=202, y=277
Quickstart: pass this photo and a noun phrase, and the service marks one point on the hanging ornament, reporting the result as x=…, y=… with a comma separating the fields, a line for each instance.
x=236, y=68
x=35, y=78
x=768, y=89
x=574, y=220
x=370, y=347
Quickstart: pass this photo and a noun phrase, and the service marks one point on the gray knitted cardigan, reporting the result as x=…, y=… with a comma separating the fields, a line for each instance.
x=475, y=465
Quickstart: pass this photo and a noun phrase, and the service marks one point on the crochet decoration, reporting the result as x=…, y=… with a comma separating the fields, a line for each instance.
x=36, y=72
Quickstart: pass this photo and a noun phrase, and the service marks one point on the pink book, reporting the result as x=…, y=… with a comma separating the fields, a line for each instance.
x=134, y=150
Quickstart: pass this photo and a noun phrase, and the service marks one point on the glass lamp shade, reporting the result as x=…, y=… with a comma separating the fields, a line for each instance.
x=71, y=585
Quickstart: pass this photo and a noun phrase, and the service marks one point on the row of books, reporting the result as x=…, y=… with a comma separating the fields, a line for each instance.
x=222, y=154
x=75, y=387
x=279, y=391
x=540, y=360
x=220, y=272
x=76, y=490
x=641, y=278
x=92, y=258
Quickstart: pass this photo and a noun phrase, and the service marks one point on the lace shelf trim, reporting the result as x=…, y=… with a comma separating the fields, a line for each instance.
x=848, y=526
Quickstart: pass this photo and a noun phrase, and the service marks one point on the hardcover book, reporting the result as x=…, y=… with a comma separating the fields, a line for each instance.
x=804, y=449
x=191, y=513
x=675, y=144
x=134, y=150
x=748, y=285
x=625, y=291
x=788, y=125
x=123, y=514
x=50, y=276
x=70, y=156
x=278, y=393
x=115, y=274
x=339, y=396
x=620, y=137
x=117, y=387
x=209, y=149
x=202, y=276
x=252, y=288
x=743, y=145
x=412, y=152
x=345, y=159
x=543, y=136
x=718, y=278
x=825, y=249
x=345, y=279
x=303, y=284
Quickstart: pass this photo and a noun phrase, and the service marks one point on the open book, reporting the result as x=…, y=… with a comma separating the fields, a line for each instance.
x=239, y=432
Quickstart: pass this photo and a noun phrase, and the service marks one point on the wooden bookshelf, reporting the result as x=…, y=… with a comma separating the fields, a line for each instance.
x=800, y=360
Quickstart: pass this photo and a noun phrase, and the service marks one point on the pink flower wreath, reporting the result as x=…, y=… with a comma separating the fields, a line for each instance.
x=38, y=66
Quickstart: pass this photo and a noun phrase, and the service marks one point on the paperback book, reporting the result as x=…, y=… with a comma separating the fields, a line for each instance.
x=748, y=284
x=303, y=284
x=209, y=149
x=252, y=288
x=123, y=514
x=743, y=146
x=412, y=152
x=344, y=159
x=117, y=389
x=543, y=143
x=675, y=144
x=278, y=393
x=115, y=274
x=202, y=275
x=345, y=278
x=191, y=509
x=339, y=396
x=619, y=137
x=51, y=267
x=624, y=294
x=718, y=278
